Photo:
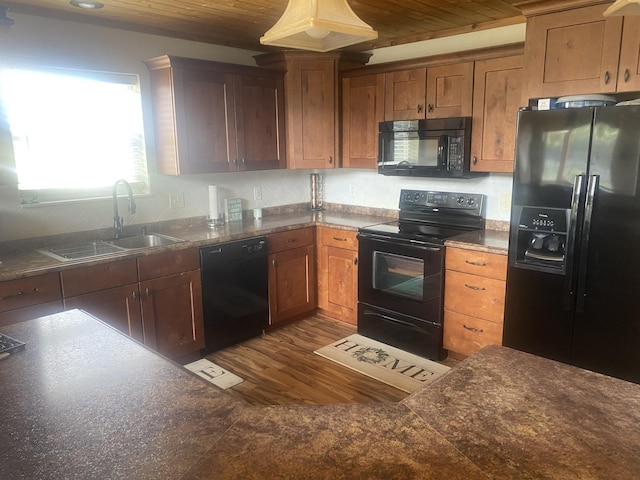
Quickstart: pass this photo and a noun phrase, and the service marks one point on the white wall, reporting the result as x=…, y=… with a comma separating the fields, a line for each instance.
x=60, y=43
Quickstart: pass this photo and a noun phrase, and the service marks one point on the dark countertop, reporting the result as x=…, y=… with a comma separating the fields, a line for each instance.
x=84, y=401
x=29, y=262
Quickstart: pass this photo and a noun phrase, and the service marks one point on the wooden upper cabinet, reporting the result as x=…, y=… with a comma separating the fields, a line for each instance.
x=449, y=90
x=572, y=52
x=497, y=96
x=629, y=68
x=405, y=94
x=259, y=107
x=206, y=116
x=362, y=111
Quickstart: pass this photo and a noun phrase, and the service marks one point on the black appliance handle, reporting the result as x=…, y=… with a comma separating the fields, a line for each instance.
x=578, y=182
x=592, y=188
x=398, y=321
x=399, y=241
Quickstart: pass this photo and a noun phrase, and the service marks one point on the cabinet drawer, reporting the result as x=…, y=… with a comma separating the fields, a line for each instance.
x=335, y=237
x=473, y=295
x=25, y=292
x=485, y=264
x=162, y=264
x=28, y=313
x=78, y=281
x=466, y=335
x=279, y=242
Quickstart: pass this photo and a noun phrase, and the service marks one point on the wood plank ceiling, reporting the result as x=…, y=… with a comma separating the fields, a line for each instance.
x=241, y=23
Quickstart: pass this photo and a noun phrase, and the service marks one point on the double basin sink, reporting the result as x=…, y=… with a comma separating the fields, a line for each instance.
x=76, y=251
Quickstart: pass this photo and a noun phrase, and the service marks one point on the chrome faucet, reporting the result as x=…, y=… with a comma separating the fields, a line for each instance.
x=117, y=219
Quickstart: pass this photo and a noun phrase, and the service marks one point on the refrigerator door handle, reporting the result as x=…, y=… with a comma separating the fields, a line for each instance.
x=570, y=286
x=592, y=188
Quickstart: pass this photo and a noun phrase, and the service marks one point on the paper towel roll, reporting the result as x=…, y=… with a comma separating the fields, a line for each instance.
x=214, y=214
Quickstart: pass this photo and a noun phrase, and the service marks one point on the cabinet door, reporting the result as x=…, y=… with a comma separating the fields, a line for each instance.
x=172, y=314
x=292, y=288
x=405, y=94
x=497, y=95
x=572, y=52
x=362, y=111
x=338, y=283
x=259, y=105
x=119, y=307
x=449, y=90
x=194, y=119
x=629, y=71
x=311, y=111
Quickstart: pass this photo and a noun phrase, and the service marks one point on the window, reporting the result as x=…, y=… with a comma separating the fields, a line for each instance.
x=75, y=133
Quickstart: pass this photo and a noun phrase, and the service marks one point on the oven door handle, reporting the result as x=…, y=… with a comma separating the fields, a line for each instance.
x=400, y=241
x=399, y=322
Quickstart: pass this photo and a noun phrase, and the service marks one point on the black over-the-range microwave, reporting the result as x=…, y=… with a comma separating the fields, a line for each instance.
x=438, y=147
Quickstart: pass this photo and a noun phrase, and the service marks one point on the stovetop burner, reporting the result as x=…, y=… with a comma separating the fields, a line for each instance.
x=432, y=217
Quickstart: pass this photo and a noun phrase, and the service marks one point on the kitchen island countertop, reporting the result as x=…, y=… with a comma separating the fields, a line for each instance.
x=84, y=401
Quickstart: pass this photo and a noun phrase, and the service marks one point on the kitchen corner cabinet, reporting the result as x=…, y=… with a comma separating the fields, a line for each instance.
x=292, y=274
x=338, y=273
x=311, y=89
x=362, y=111
x=216, y=117
x=578, y=51
x=26, y=298
x=497, y=96
x=474, y=295
x=440, y=91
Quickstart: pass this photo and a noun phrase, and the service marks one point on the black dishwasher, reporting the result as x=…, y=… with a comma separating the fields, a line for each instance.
x=234, y=291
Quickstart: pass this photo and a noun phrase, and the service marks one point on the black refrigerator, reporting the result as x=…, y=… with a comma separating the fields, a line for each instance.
x=573, y=278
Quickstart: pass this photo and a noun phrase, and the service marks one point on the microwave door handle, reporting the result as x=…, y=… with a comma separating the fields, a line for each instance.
x=442, y=148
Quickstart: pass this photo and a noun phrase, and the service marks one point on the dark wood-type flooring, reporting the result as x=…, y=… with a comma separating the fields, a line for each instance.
x=280, y=368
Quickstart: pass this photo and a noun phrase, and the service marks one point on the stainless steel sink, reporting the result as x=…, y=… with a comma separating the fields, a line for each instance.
x=144, y=241
x=78, y=251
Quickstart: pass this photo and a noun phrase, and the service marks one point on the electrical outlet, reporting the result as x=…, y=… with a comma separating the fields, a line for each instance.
x=257, y=193
x=176, y=200
x=505, y=201
x=353, y=189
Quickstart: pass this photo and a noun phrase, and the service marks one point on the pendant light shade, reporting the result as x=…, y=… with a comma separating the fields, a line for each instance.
x=318, y=25
x=623, y=7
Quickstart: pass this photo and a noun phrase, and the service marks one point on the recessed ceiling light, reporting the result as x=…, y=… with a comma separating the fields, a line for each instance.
x=86, y=4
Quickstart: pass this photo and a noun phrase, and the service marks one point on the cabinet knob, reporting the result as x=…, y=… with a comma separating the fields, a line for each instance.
x=273, y=263
x=606, y=77
x=243, y=161
x=134, y=295
x=419, y=108
x=355, y=261
x=330, y=159
x=430, y=107
x=146, y=291
x=627, y=74
x=475, y=160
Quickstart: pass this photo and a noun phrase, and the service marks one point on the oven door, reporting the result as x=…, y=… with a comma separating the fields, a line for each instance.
x=402, y=276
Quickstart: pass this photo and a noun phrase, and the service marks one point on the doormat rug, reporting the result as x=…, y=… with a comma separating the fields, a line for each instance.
x=383, y=362
x=214, y=373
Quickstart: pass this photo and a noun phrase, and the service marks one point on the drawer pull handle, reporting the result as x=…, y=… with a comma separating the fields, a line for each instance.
x=473, y=287
x=338, y=239
x=474, y=330
x=476, y=264
x=12, y=296
x=355, y=261
x=291, y=240
x=606, y=77
x=626, y=74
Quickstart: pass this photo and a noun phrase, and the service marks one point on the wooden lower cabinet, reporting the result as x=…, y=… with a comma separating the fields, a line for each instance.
x=474, y=295
x=292, y=274
x=172, y=316
x=338, y=274
x=156, y=299
x=118, y=306
x=26, y=298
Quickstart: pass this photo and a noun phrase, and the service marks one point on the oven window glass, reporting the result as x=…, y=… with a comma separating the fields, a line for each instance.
x=398, y=275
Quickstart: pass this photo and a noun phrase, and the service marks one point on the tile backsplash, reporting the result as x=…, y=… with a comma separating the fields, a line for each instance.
x=187, y=196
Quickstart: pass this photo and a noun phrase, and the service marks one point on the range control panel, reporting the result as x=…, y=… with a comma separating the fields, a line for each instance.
x=449, y=200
